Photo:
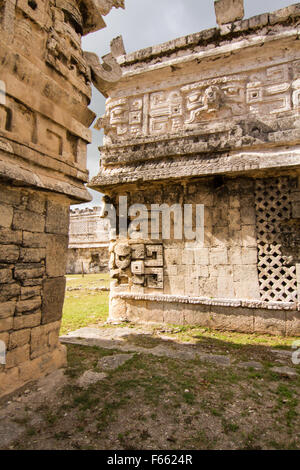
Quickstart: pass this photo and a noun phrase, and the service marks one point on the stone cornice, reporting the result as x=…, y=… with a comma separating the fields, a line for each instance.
x=257, y=304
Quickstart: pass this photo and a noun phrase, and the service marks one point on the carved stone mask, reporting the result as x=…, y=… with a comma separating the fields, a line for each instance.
x=212, y=95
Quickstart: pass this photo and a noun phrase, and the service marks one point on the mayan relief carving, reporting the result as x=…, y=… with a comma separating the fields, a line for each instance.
x=267, y=91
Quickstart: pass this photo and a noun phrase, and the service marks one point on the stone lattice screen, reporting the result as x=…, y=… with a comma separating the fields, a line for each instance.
x=278, y=281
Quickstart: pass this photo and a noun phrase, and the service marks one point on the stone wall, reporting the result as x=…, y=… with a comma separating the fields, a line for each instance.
x=45, y=90
x=243, y=276
x=33, y=249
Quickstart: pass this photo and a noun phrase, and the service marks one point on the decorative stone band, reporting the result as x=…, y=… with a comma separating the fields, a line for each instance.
x=195, y=166
x=207, y=301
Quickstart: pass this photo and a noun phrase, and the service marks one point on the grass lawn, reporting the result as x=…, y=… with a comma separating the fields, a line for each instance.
x=84, y=307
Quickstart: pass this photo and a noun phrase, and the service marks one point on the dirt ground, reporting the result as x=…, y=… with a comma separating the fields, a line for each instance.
x=160, y=401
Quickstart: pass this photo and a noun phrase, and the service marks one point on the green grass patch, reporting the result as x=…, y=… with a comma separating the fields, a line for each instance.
x=88, y=280
x=230, y=339
x=83, y=310
x=84, y=307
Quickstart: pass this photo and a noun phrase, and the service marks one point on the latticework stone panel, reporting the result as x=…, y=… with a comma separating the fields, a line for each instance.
x=277, y=280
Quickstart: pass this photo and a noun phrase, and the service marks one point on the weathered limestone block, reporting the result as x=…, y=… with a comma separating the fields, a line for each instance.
x=30, y=292
x=6, y=215
x=17, y=356
x=292, y=324
x=8, y=236
x=56, y=257
x=174, y=314
x=228, y=11
x=19, y=338
x=57, y=219
x=9, y=253
x=284, y=14
x=53, y=298
x=23, y=272
x=218, y=256
x=27, y=220
x=152, y=312
x=5, y=275
x=270, y=322
x=31, y=240
x=239, y=319
x=32, y=255
x=7, y=309
x=197, y=315
x=25, y=306
x=40, y=343
x=9, y=381
x=9, y=292
x=27, y=321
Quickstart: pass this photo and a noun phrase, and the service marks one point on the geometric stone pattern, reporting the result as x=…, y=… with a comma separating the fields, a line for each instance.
x=182, y=101
x=140, y=263
x=87, y=228
x=277, y=281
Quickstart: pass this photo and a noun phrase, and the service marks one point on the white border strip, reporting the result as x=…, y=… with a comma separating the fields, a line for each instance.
x=208, y=301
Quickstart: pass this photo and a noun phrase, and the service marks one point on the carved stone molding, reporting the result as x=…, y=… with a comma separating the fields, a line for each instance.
x=235, y=303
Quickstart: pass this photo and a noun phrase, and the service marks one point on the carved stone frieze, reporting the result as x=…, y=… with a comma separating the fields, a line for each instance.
x=267, y=91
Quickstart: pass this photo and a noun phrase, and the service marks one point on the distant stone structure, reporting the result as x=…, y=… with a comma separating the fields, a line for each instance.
x=211, y=118
x=45, y=89
x=88, y=242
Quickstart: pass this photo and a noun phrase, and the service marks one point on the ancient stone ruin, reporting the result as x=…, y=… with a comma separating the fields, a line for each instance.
x=44, y=118
x=211, y=118
x=88, y=242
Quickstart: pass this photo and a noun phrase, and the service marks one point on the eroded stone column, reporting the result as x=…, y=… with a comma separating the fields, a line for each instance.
x=44, y=119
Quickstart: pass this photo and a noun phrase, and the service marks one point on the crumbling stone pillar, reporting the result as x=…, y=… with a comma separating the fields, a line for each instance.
x=44, y=119
x=212, y=119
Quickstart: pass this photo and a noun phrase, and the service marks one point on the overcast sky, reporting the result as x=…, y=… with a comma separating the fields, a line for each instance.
x=147, y=22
